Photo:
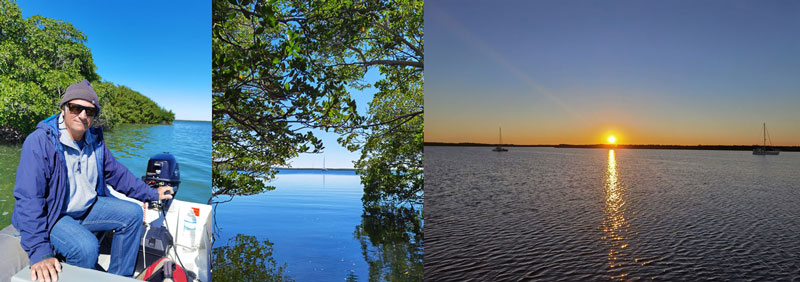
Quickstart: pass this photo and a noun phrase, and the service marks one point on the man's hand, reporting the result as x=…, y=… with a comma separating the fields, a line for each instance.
x=46, y=270
x=162, y=192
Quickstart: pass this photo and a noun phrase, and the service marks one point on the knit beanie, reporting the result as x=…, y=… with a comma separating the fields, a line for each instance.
x=81, y=90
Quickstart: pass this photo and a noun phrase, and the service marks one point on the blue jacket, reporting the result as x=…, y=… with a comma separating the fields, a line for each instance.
x=42, y=187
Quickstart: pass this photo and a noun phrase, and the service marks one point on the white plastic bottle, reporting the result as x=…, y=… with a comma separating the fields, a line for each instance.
x=189, y=227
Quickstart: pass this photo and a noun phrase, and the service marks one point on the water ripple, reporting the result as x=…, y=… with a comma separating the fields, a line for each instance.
x=585, y=214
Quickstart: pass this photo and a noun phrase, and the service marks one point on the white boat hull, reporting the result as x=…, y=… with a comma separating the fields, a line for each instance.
x=195, y=258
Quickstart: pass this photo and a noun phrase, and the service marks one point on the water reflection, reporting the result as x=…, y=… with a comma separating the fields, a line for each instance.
x=392, y=243
x=615, y=224
x=245, y=258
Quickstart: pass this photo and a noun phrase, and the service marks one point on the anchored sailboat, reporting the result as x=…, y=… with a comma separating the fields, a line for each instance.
x=764, y=150
x=500, y=142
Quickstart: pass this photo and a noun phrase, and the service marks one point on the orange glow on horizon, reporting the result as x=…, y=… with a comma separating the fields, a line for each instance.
x=560, y=132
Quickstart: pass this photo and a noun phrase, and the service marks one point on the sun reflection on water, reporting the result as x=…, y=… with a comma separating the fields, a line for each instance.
x=615, y=224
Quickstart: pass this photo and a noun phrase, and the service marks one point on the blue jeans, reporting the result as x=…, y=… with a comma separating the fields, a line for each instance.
x=73, y=238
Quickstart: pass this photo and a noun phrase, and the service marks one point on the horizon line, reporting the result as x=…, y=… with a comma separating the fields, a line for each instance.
x=591, y=144
x=192, y=120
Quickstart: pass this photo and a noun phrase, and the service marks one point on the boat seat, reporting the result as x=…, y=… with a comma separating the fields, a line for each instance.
x=71, y=273
x=14, y=258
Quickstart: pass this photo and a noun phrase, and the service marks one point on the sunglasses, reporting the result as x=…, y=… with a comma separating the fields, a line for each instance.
x=76, y=109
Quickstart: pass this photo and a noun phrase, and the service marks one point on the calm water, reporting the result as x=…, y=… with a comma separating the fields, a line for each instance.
x=133, y=145
x=188, y=141
x=593, y=214
x=314, y=219
x=9, y=159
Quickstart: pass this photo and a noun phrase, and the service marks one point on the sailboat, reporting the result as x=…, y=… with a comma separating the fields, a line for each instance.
x=764, y=150
x=498, y=148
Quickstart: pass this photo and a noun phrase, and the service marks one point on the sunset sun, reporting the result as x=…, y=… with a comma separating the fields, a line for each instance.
x=611, y=140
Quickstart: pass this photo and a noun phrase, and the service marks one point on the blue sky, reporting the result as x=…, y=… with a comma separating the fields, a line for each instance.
x=567, y=71
x=161, y=49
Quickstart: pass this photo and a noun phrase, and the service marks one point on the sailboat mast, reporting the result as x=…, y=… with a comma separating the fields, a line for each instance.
x=765, y=135
x=500, y=139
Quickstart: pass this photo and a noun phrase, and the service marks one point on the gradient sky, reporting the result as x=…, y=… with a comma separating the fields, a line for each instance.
x=648, y=72
x=161, y=49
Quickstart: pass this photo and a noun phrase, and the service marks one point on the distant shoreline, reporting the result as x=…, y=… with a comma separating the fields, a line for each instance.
x=316, y=168
x=626, y=146
x=192, y=120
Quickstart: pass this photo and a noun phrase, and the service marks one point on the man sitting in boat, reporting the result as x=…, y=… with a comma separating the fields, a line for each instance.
x=62, y=195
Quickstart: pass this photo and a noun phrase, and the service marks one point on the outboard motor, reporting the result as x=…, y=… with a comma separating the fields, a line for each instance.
x=163, y=170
